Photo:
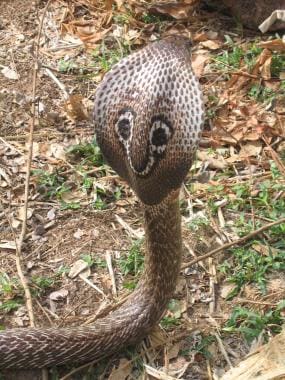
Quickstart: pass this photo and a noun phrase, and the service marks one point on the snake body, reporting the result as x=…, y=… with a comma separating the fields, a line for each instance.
x=148, y=117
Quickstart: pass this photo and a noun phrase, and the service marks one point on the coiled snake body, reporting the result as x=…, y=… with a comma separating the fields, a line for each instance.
x=148, y=117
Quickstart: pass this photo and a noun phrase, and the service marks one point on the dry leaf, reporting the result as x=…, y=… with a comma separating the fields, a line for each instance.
x=198, y=64
x=179, y=11
x=277, y=44
x=77, y=268
x=58, y=295
x=212, y=45
x=75, y=108
x=9, y=73
x=122, y=372
x=253, y=148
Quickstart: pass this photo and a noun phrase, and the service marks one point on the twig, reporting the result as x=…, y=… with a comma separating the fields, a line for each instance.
x=59, y=84
x=223, y=350
x=111, y=272
x=232, y=243
x=92, y=285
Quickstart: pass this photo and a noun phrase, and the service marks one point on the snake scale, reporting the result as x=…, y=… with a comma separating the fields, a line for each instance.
x=148, y=118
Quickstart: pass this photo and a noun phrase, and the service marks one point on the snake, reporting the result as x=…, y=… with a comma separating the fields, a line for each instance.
x=148, y=118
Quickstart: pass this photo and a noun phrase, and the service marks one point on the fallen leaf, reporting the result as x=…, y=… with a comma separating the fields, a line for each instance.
x=198, y=64
x=179, y=11
x=212, y=45
x=253, y=148
x=58, y=295
x=9, y=73
x=122, y=372
x=78, y=267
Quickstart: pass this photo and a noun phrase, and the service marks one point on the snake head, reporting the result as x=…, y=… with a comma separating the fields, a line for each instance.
x=148, y=118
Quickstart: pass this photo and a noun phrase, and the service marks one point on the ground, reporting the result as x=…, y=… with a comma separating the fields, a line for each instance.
x=79, y=209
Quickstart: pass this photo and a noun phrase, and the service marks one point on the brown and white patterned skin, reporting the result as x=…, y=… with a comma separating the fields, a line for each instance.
x=148, y=117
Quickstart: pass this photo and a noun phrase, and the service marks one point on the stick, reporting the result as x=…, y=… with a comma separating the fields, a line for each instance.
x=232, y=243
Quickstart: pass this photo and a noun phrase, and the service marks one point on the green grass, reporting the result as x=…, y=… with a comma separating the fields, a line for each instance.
x=88, y=154
x=11, y=293
x=249, y=266
x=50, y=184
x=131, y=265
x=250, y=324
x=169, y=322
x=105, y=57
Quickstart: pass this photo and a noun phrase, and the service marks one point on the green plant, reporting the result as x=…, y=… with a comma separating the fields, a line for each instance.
x=88, y=259
x=249, y=266
x=8, y=285
x=10, y=305
x=277, y=64
x=51, y=184
x=89, y=153
x=69, y=205
x=122, y=18
x=230, y=60
x=148, y=18
x=133, y=262
x=261, y=94
x=66, y=66
x=202, y=345
x=106, y=57
x=42, y=283
x=251, y=324
x=197, y=222
x=169, y=322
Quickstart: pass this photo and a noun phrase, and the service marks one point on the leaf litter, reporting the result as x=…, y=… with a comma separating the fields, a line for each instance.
x=241, y=146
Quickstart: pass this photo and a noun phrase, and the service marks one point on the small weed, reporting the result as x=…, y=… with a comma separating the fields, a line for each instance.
x=62, y=270
x=169, y=322
x=251, y=324
x=10, y=305
x=277, y=64
x=122, y=18
x=130, y=285
x=42, y=283
x=148, y=18
x=199, y=344
x=231, y=60
x=88, y=259
x=9, y=288
x=51, y=184
x=249, y=266
x=66, y=66
x=100, y=263
x=70, y=205
x=261, y=94
x=132, y=263
x=89, y=153
x=8, y=285
x=197, y=222
x=106, y=57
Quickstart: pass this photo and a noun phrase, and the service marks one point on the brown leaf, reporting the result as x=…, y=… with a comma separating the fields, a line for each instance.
x=179, y=11
x=75, y=109
x=122, y=372
x=198, y=64
x=277, y=44
x=212, y=45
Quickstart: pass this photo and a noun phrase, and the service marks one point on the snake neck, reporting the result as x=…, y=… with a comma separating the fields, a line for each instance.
x=164, y=246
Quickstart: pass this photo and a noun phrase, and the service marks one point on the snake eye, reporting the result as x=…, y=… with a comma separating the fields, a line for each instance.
x=160, y=133
x=124, y=124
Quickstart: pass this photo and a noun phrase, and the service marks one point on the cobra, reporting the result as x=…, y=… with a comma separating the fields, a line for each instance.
x=148, y=118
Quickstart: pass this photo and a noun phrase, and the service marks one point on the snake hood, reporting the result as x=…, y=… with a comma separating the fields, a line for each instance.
x=148, y=115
